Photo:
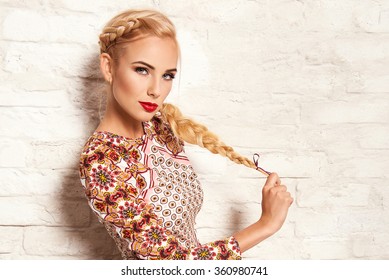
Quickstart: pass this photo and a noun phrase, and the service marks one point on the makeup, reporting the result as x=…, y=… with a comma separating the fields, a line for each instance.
x=148, y=106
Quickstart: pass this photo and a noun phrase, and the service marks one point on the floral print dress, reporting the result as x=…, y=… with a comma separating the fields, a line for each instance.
x=147, y=195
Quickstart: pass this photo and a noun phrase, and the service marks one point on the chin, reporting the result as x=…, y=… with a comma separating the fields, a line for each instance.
x=147, y=116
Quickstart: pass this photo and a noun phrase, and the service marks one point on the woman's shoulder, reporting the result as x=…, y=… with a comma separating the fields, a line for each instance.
x=164, y=134
x=102, y=145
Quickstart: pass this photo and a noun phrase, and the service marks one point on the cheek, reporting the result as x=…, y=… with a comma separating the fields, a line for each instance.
x=130, y=83
x=167, y=88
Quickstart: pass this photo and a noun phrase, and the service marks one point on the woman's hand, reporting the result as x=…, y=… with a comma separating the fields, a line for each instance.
x=275, y=203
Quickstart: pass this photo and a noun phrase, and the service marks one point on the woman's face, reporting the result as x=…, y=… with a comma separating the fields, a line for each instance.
x=143, y=78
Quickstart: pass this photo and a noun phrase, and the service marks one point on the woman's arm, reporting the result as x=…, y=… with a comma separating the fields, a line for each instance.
x=275, y=204
x=113, y=192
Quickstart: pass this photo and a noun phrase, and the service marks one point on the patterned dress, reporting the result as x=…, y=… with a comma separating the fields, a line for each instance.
x=147, y=195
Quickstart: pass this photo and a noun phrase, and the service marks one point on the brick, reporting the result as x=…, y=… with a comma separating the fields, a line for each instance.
x=55, y=155
x=362, y=220
x=21, y=3
x=328, y=16
x=46, y=123
x=74, y=28
x=365, y=136
x=330, y=194
x=260, y=136
x=232, y=12
x=321, y=53
x=28, y=257
x=105, y=10
x=261, y=113
x=90, y=243
x=36, y=26
x=40, y=182
x=299, y=79
x=94, y=95
x=385, y=194
x=360, y=244
x=25, y=211
x=370, y=245
x=295, y=165
x=379, y=248
x=294, y=22
x=25, y=25
x=74, y=60
x=315, y=223
x=372, y=16
x=380, y=139
x=370, y=82
x=31, y=85
x=373, y=111
x=11, y=239
x=371, y=163
x=314, y=137
x=360, y=48
x=13, y=153
x=319, y=248
x=36, y=99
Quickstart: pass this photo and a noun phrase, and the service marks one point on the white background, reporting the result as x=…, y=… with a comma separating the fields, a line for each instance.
x=303, y=83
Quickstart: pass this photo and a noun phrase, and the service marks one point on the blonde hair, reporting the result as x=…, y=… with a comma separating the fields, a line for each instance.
x=132, y=24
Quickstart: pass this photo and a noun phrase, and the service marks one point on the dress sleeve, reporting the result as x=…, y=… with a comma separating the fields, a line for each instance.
x=113, y=194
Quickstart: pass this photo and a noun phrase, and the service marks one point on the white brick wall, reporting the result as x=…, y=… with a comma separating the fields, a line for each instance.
x=303, y=83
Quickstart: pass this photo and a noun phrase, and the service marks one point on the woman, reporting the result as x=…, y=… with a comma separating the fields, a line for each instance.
x=136, y=176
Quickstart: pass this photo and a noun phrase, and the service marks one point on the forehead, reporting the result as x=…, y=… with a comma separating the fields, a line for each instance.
x=159, y=52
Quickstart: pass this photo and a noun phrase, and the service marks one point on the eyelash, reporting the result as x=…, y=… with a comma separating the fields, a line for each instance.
x=141, y=70
x=171, y=76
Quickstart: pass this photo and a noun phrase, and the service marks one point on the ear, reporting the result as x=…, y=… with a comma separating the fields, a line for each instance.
x=106, y=67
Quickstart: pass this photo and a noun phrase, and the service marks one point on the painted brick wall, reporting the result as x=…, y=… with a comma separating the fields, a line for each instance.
x=303, y=83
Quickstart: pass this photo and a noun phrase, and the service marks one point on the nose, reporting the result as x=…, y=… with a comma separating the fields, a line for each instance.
x=154, y=89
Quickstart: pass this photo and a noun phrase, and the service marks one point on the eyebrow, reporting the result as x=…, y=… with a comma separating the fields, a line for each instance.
x=152, y=67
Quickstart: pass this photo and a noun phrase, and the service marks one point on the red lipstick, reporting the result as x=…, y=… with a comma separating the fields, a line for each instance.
x=148, y=106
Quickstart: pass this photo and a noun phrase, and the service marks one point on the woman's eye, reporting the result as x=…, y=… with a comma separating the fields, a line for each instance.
x=168, y=76
x=141, y=70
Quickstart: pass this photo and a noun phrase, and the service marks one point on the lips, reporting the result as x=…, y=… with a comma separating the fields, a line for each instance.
x=148, y=106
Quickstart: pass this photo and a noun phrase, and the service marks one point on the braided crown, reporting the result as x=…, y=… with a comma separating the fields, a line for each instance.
x=116, y=30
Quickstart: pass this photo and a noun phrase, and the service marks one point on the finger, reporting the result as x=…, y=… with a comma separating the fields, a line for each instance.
x=277, y=190
x=286, y=196
x=281, y=188
x=289, y=200
x=273, y=179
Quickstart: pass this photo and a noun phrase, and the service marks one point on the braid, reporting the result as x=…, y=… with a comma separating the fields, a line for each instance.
x=116, y=30
x=195, y=133
x=133, y=23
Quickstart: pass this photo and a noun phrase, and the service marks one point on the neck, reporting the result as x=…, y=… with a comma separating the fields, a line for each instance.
x=117, y=121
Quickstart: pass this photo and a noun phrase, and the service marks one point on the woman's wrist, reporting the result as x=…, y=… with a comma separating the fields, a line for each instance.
x=267, y=226
x=254, y=234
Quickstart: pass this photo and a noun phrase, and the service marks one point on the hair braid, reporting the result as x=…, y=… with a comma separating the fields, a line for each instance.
x=195, y=133
x=131, y=24
x=116, y=30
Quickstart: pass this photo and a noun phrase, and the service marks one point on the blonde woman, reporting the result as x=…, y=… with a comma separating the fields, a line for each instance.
x=136, y=176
